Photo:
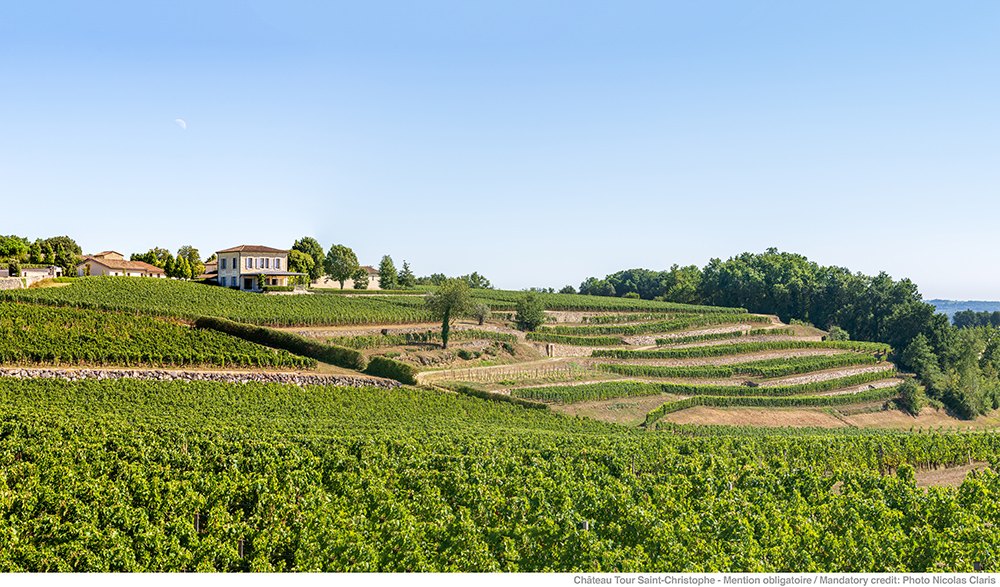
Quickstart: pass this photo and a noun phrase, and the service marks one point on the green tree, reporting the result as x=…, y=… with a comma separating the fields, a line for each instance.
x=450, y=300
x=340, y=264
x=193, y=258
x=35, y=255
x=14, y=266
x=311, y=247
x=837, y=333
x=48, y=255
x=481, y=312
x=360, y=278
x=299, y=262
x=911, y=397
x=530, y=311
x=569, y=289
x=406, y=278
x=387, y=278
x=476, y=281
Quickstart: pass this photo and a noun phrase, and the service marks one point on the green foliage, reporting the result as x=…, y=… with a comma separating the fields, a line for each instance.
x=387, y=277
x=14, y=267
x=384, y=340
x=611, y=389
x=680, y=323
x=311, y=247
x=293, y=343
x=406, y=277
x=476, y=281
x=300, y=262
x=164, y=297
x=35, y=334
x=575, y=340
x=725, y=335
x=836, y=333
x=481, y=312
x=766, y=369
x=911, y=397
x=360, y=278
x=741, y=348
x=193, y=258
x=451, y=299
x=107, y=476
x=494, y=397
x=390, y=369
x=771, y=402
x=340, y=264
x=530, y=312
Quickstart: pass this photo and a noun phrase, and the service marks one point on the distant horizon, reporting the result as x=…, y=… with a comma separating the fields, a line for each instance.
x=538, y=144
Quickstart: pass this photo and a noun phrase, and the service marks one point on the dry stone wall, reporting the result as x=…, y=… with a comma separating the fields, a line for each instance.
x=11, y=283
x=224, y=377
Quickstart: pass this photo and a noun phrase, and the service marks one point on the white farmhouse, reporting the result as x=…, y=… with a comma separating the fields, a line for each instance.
x=114, y=263
x=242, y=266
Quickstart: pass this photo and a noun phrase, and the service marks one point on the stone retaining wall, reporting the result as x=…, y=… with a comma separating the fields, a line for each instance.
x=11, y=283
x=224, y=377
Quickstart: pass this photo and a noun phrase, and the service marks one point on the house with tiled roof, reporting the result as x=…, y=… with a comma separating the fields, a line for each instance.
x=251, y=267
x=114, y=263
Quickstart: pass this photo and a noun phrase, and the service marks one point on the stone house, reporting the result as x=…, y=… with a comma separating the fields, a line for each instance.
x=242, y=267
x=42, y=272
x=113, y=263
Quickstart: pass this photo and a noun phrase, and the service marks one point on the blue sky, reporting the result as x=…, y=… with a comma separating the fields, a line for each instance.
x=537, y=143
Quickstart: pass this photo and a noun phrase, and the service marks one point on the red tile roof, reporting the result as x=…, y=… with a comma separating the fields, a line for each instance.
x=252, y=249
x=116, y=264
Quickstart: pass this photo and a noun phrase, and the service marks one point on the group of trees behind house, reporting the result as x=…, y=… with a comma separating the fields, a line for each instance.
x=60, y=251
x=866, y=308
x=340, y=264
x=186, y=265
x=474, y=280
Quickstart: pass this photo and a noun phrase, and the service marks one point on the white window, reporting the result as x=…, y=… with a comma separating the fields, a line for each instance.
x=249, y=262
x=267, y=263
x=277, y=263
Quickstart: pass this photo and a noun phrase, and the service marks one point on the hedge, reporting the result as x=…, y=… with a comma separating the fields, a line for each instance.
x=390, y=369
x=495, y=397
x=293, y=343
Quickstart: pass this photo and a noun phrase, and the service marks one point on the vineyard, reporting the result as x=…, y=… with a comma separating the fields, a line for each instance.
x=151, y=476
x=60, y=336
x=177, y=299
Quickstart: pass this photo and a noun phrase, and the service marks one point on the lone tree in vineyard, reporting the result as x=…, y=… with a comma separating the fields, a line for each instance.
x=340, y=264
x=451, y=299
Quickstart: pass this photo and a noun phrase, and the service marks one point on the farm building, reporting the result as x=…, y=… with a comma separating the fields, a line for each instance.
x=113, y=263
x=244, y=266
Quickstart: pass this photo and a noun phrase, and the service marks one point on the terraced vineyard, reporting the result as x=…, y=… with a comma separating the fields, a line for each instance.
x=40, y=335
x=745, y=365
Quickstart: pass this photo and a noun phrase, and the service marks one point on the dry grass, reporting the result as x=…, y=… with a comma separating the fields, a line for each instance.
x=629, y=411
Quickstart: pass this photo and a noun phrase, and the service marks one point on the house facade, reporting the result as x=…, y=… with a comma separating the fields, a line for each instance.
x=114, y=264
x=42, y=272
x=244, y=267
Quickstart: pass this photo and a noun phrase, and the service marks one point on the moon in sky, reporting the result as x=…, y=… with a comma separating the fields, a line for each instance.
x=182, y=123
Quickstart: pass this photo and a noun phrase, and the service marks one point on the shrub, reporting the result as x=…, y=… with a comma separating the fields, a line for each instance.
x=464, y=354
x=293, y=343
x=385, y=367
x=270, y=288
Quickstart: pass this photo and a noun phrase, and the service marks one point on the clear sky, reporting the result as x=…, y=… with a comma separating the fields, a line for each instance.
x=538, y=143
